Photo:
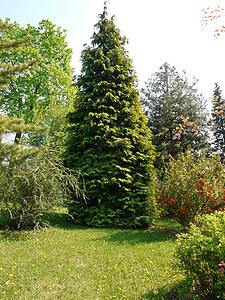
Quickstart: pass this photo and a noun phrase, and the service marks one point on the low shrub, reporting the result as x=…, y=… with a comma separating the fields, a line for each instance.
x=31, y=185
x=201, y=252
x=193, y=184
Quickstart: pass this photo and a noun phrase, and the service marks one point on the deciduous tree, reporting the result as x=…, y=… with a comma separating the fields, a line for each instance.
x=50, y=82
x=9, y=70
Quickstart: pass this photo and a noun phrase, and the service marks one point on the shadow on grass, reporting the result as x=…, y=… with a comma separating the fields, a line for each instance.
x=49, y=219
x=164, y=230
x=61, y=220
x=180, y=291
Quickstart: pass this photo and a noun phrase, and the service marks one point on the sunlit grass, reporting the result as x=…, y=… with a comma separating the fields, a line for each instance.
x=67, y=262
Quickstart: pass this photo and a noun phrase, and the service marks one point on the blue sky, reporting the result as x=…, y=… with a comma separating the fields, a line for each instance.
x=158, y=31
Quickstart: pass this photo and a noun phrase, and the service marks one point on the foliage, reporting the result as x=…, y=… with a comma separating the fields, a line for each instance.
x=53, y=122
x=50, y=82
x=193, y=184
x=31, y=185
x=218, y=121
x=8, y=70
x=8, y=126
x=201, y=251
x=109, y=141
x=31, y=182
x=168, y=98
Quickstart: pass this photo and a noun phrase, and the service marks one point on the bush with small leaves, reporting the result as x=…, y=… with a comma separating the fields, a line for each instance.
x=201, y=253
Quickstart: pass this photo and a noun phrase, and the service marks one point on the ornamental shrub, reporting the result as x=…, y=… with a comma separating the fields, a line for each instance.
x=193, y=184
x=201, y=254
x=31, y=185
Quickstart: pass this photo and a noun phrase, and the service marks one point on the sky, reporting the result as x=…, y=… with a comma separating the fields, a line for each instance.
x=158, y=31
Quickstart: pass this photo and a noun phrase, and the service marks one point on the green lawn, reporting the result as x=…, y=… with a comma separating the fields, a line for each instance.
x=67, y=262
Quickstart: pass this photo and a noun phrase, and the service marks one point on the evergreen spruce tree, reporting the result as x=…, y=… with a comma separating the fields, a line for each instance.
x=109, y=140
x=218, y=121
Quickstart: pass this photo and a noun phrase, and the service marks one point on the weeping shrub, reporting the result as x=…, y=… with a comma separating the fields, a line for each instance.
x=32, y=185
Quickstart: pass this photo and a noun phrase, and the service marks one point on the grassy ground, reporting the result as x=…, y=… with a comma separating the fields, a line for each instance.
x=66, y=262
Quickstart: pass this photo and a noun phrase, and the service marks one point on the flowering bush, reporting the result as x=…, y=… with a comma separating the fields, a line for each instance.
x=221, y=267
x=193, y=184
x=200, y=252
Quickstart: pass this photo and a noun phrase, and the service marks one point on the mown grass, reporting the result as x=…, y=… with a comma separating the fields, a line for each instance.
x=67, y=262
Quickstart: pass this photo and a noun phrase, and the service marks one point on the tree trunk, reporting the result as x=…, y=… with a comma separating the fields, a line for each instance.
x=17, y=137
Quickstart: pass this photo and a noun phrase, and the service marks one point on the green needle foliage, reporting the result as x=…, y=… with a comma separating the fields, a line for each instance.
x=218, y=121
x=168, y=98
x=109, y=140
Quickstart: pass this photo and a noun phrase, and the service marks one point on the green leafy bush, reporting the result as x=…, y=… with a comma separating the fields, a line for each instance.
x=201, y=252
x=31, y=185
x=193, y=184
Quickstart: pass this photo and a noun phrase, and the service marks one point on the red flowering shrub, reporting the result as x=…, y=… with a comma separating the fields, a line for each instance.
x=193, y=184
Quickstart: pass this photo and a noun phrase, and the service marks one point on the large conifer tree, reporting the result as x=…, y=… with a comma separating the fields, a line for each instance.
x=168, y=97
x=218, y=121
x=109, y=140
